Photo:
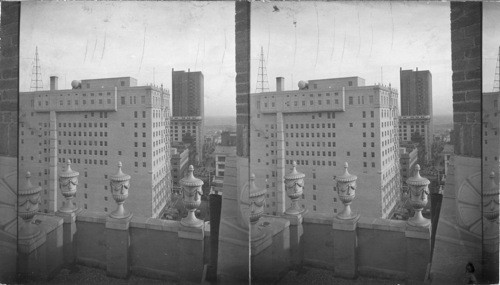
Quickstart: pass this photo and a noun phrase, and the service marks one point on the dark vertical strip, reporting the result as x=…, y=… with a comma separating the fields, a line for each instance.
x=9, y=106
x=215, y=203
x=242, y=22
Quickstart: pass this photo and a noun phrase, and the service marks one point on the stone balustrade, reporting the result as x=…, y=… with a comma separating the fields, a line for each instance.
x=123, y=244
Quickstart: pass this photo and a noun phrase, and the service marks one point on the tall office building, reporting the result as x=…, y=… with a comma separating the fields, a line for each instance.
x=321, y=126
x=416, y=107
x=96, y=124
x=188, y=107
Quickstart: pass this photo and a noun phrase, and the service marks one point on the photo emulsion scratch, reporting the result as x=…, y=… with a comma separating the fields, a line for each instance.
x=220, y=142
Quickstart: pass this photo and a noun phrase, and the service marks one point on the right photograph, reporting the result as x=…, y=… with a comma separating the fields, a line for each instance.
x=373, y=146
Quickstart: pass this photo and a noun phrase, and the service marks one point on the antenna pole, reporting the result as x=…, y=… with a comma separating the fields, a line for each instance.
x=262, y=83
x=36, y=74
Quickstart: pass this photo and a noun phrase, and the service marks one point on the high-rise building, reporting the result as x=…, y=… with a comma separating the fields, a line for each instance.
x=321, y=126
x=96, y=124
x=416, y=107
x=188, y=107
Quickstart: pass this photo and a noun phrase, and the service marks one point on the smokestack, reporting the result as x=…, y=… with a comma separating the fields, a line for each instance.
x=280, y=84
x=53, y=83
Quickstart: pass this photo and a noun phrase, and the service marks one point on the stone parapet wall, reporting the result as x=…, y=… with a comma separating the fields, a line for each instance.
x=370, y=247
x=153, y=248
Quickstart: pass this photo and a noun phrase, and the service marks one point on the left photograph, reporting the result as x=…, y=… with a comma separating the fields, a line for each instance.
x=125, y=111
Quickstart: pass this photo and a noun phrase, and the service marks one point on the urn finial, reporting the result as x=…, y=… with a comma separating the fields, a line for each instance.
x=419, y=190
x=346, y=189
x=191, y=192
x=119, y=184
x=68, y=182
x=294, y=184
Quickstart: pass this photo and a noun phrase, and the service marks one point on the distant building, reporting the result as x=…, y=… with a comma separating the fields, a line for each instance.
x=228, y=138
x=180, y=162
x=414, y=126
x=188, y=107
x=416, y=106
x=96, y=124
x=188, y=130
x=321, y=126
x=408, y=158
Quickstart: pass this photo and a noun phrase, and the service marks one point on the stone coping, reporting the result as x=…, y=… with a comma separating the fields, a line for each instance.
x=370, y=223
x=91, y=217
x=318, y=218
x=381, y=224
x=137, y=222
x=278, y=224
x=48, y=222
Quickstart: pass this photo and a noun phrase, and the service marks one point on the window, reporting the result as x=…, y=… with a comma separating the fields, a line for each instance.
x=351, y=100
x=122, y=100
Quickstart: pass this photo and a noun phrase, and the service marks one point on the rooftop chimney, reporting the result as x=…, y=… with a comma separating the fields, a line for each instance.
x=53, y=83
x=280, y=84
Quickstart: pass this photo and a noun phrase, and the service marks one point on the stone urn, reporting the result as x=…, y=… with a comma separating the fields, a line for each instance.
x=28, y=200
x=68, y=182
x=418, y=190
x=191, y=197
x=294, y=183
x=346, y=189
x=257, y=204
x=120, y=184
x=490, y=196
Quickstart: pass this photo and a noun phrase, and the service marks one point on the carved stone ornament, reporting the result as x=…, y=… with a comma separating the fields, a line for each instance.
x=68, y=182
x=346, y=189
x=294, y=183
x=28, y=200
x=419, y=190
x=257, y=204
x=119, y=184
x=490, y=197
x=191, y=197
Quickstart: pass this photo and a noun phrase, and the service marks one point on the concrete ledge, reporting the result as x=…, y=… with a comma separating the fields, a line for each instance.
x=381, y=224
x=118, y=224
x=316, y=218
x=68, y=217
x=368, y=271
x=345, y=225
x=154, y=224
x=48, y=223
x=418, y=232
x=154, y=273
x=91, y=217
x=276, y=224
x=28, y=245
x=294, y=219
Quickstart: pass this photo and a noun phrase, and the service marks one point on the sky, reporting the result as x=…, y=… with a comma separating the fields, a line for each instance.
x=371, y=40
x=144, y=40
x=491, y=43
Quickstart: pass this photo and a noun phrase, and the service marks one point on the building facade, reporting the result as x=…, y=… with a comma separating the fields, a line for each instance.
x=417, y=126
x=408, y=158
x=96, y=124
x=416, y=101
x=320, y=126
x=180, y=162
x=188, y=130
x=188, y=107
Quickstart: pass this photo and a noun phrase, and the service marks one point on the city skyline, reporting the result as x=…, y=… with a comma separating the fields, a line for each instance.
x=370, y=40
x=144, y=40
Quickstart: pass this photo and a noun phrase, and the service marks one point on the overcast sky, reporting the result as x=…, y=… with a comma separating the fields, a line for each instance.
x=491, y=43
x=354, y=39
x=85, y=40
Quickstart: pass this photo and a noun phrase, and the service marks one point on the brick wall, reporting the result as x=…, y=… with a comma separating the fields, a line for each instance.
x=9, y=72
x=242, y=22
x=466, y=38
